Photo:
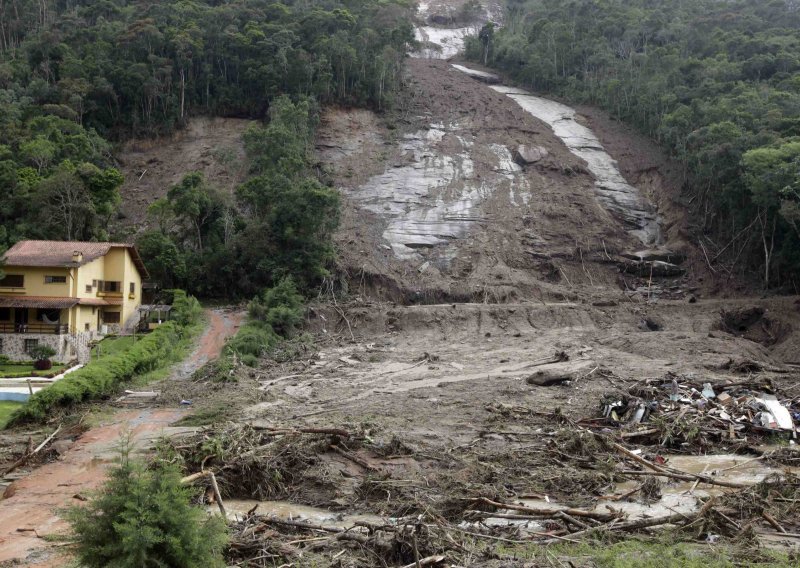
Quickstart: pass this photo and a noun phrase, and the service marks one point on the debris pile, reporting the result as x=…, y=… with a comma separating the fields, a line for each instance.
x=679, y=412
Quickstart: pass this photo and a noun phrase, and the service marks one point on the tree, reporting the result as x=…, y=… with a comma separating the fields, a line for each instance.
x=67, y=206
x=143, y=518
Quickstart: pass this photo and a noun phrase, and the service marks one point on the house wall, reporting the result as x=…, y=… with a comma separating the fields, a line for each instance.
x=34, y=281
x=13, y=346
x=87, y=275
x=131, y=302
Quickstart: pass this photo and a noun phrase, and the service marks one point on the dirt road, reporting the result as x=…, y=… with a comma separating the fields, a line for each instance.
x=29, y=509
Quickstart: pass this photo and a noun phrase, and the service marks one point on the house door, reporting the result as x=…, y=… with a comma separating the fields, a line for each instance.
x=20, y=317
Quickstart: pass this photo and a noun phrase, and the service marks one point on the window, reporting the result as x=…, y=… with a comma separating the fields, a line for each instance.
x=55, y=279
x=5, y=314
x=13, y=281
x=111, y=317
x=86, y=326
x=109, y=286
x=30, y=345
x=88, y=288
x=94, y=283
x=133, y=288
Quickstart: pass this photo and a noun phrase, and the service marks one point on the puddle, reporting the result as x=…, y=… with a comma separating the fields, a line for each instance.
x=678, y=496
x=611, y=188
x=238, y=508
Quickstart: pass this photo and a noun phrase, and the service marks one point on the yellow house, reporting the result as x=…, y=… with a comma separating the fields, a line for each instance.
x=63, y=294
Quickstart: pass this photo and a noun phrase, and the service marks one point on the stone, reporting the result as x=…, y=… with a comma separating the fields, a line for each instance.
x=526, y=155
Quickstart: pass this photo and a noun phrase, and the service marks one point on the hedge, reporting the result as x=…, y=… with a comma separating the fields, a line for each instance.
x=100, y=378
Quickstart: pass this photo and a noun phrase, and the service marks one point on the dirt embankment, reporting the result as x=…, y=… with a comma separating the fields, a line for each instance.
x=212, y=146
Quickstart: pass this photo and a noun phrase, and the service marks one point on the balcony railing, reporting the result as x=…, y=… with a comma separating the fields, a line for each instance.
x=35, y=327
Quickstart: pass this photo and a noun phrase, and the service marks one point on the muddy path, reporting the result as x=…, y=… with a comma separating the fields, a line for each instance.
x=28, y=510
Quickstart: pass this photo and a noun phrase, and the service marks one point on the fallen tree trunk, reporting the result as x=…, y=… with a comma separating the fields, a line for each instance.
x=214, y=487
x=550, y=512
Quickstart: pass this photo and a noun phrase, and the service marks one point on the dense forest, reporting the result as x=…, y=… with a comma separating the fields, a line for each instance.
x=716, y=82
x=77, y=76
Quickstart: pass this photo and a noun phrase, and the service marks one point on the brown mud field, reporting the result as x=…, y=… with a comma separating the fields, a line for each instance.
x=499, y=368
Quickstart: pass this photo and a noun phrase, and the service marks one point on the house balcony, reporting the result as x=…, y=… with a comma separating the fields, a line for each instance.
x=35, y=327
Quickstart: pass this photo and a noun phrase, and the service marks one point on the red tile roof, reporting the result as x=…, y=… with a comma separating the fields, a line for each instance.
x=36, y=302
x=60, y=253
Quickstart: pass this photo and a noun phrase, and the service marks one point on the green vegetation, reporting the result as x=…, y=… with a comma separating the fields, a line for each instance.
x=272, y=318
x=76, y=76
x=716, y=82
x=113, y=345
x=279, y=222
x=143, y=517
x=7, y=409
x=100, y=378
x=21, y=370
x=661, y=552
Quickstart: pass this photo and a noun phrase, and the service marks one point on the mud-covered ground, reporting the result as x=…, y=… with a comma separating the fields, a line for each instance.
x=447, y=409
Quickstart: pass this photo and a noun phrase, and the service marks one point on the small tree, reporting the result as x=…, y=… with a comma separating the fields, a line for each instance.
x=143, y=518
x=41, y=357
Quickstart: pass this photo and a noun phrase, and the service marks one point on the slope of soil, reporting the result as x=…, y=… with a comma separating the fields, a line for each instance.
x=212, y=146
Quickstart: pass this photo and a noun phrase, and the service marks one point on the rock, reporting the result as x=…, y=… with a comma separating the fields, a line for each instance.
x=62, y=446
x=526, y=155
x=651, y=255
x=655, y=268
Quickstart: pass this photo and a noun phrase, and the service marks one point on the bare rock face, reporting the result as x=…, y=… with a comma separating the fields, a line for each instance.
x=526, y=155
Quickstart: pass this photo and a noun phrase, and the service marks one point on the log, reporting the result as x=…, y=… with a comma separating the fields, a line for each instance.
x=546, y=512
x=354, y=458
x=300, y=525
x=21, y=461
x=427, y=561
x=214, y=487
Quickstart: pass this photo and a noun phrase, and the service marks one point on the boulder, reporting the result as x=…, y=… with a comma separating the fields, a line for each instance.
x=526, y=155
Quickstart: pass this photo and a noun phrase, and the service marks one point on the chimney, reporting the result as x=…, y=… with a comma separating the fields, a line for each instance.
x=77, y=257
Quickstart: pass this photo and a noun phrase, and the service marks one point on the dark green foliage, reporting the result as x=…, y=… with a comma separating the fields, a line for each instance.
x=281, y=223
x=281, y=307
x=186, y=310
x=142, y=518
x=273, y=317
x=75, y=74
x=717, y=82
x=41, y=352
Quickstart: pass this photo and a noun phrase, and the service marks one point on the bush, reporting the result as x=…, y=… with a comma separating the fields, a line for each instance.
x=251, y=342
x=280, y=306
x=143, y=518
x=100, y=378
x=42, y=353
x=186, y=310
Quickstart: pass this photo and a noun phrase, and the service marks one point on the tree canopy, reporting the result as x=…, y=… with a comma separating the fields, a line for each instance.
x=716, y=82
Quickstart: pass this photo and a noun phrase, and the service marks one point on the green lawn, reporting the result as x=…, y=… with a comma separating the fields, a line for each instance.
x=26, y=370
x=7, y=408
x=112, y=345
